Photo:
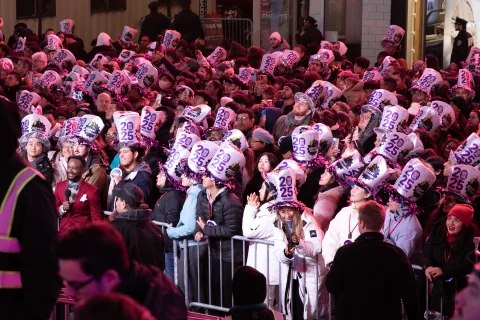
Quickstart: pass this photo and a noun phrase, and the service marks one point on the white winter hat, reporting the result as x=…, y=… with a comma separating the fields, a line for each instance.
x=276, y=35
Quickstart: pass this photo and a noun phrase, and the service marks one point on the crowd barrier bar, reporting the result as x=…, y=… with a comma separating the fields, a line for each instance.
x=235, y=29
x=255, y=242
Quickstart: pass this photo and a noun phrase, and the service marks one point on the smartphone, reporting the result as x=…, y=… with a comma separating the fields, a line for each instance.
x=336, y=143
x=263, y=78
x=355, y=143
x=253, y=77
x=158, y=100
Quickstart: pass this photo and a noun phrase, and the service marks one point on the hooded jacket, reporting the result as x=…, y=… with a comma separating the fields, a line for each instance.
x=141, y=176
x=226, y=211
x=403, y=230
x=309, y=35
x=143, y=238
x=150, y=287
x=281, y=47
x=188, y=219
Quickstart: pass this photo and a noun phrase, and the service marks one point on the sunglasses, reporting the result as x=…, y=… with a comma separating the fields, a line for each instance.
x=76, y=285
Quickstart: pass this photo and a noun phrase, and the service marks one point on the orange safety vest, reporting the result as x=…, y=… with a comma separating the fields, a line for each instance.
x=12, y=279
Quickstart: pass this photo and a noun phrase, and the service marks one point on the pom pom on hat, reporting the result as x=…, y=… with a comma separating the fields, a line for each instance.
x=276, y=35
x=462, y=212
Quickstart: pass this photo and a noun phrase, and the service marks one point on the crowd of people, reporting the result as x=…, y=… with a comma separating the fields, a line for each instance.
x=354, y=170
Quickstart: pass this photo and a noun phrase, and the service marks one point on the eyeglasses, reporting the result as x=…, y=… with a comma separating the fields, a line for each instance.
x=365, y=117
x=244, y=118
x=76, y=285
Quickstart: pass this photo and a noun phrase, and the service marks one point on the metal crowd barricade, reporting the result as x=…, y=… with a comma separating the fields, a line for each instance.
x=66, y=302
x=235, y=29
x=245, y=242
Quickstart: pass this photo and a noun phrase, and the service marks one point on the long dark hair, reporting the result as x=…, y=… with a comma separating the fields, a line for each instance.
x=466, y=234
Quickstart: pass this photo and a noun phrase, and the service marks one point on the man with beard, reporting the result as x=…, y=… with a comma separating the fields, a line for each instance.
x=245, y=122
x=134, y=170
x=462, y=42
x=78, y=202
x=302, y=114
x=95, y=168
x=289, y=90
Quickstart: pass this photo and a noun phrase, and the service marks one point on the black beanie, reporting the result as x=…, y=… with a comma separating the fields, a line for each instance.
x=248, y=286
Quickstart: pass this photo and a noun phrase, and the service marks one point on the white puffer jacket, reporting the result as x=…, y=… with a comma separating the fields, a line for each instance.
x=259, y=224
x=338, y=231
x=303, y=267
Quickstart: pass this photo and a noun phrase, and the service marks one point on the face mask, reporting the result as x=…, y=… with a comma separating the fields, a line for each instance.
x=163, y=84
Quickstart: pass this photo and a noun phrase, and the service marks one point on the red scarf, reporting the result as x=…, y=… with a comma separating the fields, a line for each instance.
x=451, y=238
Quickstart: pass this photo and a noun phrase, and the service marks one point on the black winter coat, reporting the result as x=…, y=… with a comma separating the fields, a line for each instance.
x=167, y=210
x=371, y=278
x=150, y=287
x=153, y=24
x=310, y=35
x=189, y=25
x=144, y=239
x=227, y=213
x=43, y=165
x=436, y=248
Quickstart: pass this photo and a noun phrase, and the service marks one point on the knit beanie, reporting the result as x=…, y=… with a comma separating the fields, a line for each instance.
x=276, y=35
x=248, y=286
x=262, y=135
x=463, y=212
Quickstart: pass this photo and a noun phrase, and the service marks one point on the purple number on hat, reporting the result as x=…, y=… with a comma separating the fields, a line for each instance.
x=25, y=126
x=286, y=188
x=457, y=179
x=149, y=121
x=470, y=154
x=298, y=145
x=127, y=131
x=408, y=178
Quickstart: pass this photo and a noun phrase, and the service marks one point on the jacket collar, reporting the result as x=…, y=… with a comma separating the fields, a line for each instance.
x=369, y=236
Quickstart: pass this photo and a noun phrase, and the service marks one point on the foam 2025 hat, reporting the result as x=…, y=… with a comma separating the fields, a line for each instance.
x=27, y=101
x=445, y=111
x=269, y=62
x=150, y=121
x=387, y=61
x=463, y=183
x=468, y=152
x=227, y=164
x=427, y=118
x=171, y=39
x=394, y=147
x=332, y=93
x=53, y=43
x=35, y=126
x=217, y=56
x=372, y=75
x=381, y=98
x=186, y=139
x=411, y=185
x=417, y=146
x=350, y=165
x=120, y=82
x=316, y=92
x=326, y=136
x=373, y=178
x=284, y=189
x=128, y=129
x=147, y=75
x=236, y=138
x=305, y=143
x=88, y=128
x=127, y=35
x=175, y=166
x=224, y=120
x=394, y=35
x=300, y=173
x=66, y=26
x=394, y=119
x=465, y=81
x=427, y=81
x=200, y=155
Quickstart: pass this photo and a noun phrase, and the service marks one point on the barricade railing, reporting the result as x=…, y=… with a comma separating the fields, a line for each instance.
x=235, y=29
x=246, y=243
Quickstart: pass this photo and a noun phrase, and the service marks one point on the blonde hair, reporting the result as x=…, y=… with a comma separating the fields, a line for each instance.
x=297, y=227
